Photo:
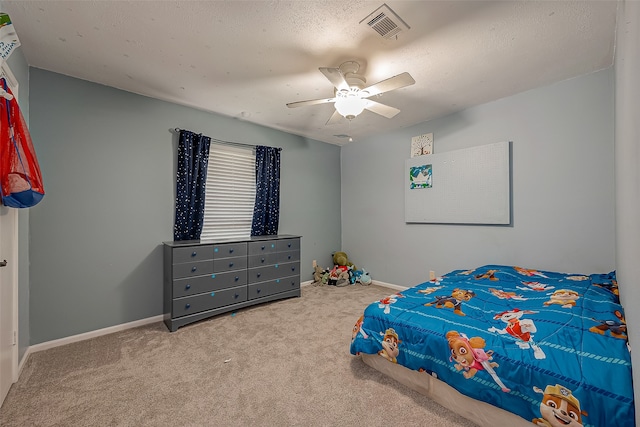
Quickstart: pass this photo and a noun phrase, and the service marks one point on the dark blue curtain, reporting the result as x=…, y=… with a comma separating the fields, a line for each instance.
x=266, y=212
x=193, y=157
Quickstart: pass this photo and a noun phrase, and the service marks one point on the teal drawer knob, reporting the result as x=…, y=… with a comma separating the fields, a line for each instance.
x=193, y=269
x=194, y=253
x=187, y=287
x=187, y=306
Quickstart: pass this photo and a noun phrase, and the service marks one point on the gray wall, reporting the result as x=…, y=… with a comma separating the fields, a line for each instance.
x=563, y=188
x=18, y=65
x=108, y=160
x=627, y=128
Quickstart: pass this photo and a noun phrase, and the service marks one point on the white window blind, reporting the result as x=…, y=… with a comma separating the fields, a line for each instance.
x=230, y=193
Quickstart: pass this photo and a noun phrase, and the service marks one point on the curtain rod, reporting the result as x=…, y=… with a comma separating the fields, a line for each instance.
x=220, y=141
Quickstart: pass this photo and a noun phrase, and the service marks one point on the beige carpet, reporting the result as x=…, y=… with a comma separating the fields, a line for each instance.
x=284, y=363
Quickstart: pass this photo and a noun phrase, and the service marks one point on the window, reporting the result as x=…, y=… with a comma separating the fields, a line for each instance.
x=230, y=193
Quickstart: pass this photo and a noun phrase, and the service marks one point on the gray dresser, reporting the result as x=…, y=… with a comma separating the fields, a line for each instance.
x=206, y=278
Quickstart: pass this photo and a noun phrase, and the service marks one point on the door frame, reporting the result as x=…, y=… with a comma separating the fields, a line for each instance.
x=13, y=263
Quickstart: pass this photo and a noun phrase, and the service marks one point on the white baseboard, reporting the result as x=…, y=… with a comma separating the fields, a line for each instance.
x=389, y=285
x=92, y=334
x=23, y=362
x=307, y=283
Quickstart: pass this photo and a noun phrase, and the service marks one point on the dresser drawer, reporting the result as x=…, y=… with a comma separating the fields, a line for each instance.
x=196, y=303
x=227, y=250
x=192, y=253
x=289, y=256
x=262, y=260
x=211, y=282
x=262, y=247
x=261, y=274
x=259, y=290
x=288, y=245
x=228, y=264
x=189, y=269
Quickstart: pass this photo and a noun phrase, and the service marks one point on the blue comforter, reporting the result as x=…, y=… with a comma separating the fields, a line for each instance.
x=549, y=347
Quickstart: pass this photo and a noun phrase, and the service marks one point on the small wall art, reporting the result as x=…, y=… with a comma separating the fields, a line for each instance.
x=420, y=177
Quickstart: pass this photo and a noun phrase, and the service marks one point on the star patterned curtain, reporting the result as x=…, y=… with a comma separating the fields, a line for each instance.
x=193, y=157
x=266, y=211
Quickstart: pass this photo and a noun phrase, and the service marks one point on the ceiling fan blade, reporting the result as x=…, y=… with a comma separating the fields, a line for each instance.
x=383, y=110
x=395, y=82
x=335, y=76
x=335, y=118
x=310, y=102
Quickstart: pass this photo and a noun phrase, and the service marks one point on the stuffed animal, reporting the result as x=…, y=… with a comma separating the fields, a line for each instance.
x=318, y=274
x=341, y=259
x=365, y=278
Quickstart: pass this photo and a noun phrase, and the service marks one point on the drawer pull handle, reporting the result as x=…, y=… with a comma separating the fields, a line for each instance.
x=237, y=278
x=213, y=294
x=187, y=287
x=230, y=251
x=259, y=274
x=187, y=306
x=293, y=269
x=289, y=257
x=262, y=248
x=276, y=266
x=289, y=245
x=193, y=269
x=277, y=280
x=262, y=260
x=230, y=264
x=258, y=291
x=273, y=245
x=236, y=296
x=194, y=253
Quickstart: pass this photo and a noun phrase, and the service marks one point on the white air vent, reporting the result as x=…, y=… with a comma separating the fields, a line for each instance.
x=385, y=22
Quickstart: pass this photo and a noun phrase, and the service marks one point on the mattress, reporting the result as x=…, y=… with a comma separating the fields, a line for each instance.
x=546, y=347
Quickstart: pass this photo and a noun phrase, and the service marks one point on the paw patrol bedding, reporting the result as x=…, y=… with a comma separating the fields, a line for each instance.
x=549, y=347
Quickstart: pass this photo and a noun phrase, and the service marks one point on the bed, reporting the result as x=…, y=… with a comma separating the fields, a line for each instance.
x=505, y=345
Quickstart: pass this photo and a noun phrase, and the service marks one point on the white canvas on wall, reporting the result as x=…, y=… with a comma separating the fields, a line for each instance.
x=468, y=186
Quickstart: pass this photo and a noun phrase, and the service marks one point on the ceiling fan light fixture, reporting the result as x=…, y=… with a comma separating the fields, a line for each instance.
x=350, y=105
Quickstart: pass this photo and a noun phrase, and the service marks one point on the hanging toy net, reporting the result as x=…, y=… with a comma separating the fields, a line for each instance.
x=20, y=177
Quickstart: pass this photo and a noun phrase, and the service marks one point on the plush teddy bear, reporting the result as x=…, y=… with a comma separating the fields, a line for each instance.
x=318, y=274
x=341, y=259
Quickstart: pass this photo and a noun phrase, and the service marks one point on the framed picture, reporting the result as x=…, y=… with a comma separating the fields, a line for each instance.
x=422, y=145
x=420, y=176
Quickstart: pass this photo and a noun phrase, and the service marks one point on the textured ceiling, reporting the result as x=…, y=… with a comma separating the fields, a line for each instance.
x=247, y=59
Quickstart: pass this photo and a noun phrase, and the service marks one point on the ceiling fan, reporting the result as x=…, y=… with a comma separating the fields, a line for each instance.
x=352, y=97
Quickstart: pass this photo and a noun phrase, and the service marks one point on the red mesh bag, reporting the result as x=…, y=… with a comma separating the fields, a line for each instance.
x=20, y=178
